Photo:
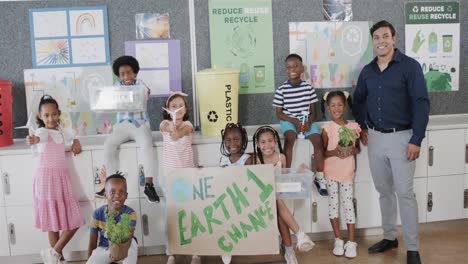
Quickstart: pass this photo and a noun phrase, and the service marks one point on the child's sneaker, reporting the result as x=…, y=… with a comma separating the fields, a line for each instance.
x=150, y=193
x=195, y=260
x=338, y=250
x=50, y=256
x=170, y=260
x=304, y=243
x=350, y=249
x=101, y=193
x=321, y=184
x=290, y=257
x=226, y=259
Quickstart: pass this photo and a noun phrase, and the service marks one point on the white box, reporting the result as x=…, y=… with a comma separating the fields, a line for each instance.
x=125, y=98
x=294, y=183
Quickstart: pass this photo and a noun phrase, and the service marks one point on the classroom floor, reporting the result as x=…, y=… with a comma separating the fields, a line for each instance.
x=442, y=242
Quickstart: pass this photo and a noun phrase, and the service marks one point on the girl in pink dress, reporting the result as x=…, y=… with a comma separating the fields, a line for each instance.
x=339, y=170
x=56, y=208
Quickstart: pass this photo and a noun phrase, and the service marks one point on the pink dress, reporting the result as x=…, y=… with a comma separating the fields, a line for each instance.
x=56, y=207
x=340, y=170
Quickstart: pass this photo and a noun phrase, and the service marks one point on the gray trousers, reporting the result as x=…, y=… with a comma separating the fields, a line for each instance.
x=393, y=174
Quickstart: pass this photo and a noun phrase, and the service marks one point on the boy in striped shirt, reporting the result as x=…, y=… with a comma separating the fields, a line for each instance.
x=294, y=99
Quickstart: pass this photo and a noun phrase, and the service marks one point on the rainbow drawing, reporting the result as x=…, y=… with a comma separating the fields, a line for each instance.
x=84, y=23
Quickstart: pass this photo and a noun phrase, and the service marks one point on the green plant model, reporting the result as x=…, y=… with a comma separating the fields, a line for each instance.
x=120, y=232
x=347, y=136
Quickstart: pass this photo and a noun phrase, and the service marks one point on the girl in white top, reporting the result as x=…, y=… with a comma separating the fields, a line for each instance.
x=265, y=141
x=233, y=145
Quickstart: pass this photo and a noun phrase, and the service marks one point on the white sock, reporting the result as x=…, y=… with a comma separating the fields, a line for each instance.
x=299, y=233
x=319, y=175
x=289, y=249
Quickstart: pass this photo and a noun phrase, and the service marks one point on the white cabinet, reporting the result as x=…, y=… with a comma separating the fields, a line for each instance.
x=421, y=162
x=445, y=194
x=447, y=149
x=24, y=237
x=465, y=196
x=80, y=240
x=363, y=173
x=153, y=220
x=420, y=190
x=142, y=174
x=4, y=245
x=206, y=155
x=128, y=165
x=80, y=167
x=367, y=205
x=18, y=173
x=320, y=216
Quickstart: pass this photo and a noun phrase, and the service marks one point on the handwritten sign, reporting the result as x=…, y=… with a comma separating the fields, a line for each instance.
x=218, y=211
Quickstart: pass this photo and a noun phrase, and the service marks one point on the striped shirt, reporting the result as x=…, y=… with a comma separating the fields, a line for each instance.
x=295, y=99
x=98, y=223
x=179, y=153
x=136, y=118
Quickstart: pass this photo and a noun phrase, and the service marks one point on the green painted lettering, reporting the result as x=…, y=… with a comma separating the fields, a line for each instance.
x=223, y=246
x=207, y=186
x=196, y=225
x=208, y=212
x=198, y=192
x=235, y=235
x=182, y=229
x=245, y=229
x=220, y=202
x=267, y=189
x=237, y=200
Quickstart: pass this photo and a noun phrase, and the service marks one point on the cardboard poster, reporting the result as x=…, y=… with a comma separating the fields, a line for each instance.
x=219, y=211
x=241, y=37
x=432, y=37
x=333, y=53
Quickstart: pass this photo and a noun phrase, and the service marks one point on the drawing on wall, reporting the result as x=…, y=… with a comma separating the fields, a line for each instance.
x=75, y=36
x=160, y=66
x=150, y=26
x=152, y=55
x=86, y=22
x=333, y=53
x=42, y=22
x=88, y=50
x=52, y=52
x=69, y=86
x=432, y=37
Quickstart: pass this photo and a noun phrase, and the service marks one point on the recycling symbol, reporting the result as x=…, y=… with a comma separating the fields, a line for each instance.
x=212, y=116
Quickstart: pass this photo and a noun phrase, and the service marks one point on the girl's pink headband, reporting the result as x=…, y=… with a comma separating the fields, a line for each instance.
x=174, y=93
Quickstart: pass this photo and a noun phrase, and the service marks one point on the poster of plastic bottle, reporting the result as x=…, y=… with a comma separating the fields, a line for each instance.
x=241, y=37
x=432, y=37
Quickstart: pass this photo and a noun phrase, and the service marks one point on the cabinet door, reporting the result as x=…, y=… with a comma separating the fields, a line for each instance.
x=303, y=214
x=448, y=151
x=367, y=205
x=447, y=198
x=135, y=205
x=81, y=172
x=25, y=238
x=153, y=217
x=80, y=240
x=319, y=208
x=128, y=165
x=19, y=171
x=465, y=196
x=4, y=245
x=302, y=153
x=4, y=183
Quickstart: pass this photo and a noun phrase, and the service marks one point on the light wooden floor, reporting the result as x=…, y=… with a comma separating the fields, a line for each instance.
x=443, y=242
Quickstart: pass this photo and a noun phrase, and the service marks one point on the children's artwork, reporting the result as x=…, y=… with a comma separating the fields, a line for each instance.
x=52, y=52
x=69, y=86
x=159, y=61
x=220, y=211
x=65, y=37
x=150, y=26
x=333, y=53
x=432, y=37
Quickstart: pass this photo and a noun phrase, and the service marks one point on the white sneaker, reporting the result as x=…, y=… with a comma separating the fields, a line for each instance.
x=171, y=260
x=49, y=256
x=226, y=259
x=290, y=258
x=304, y=243
x=195, y=260
x=350, y=249
x=338, y=250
